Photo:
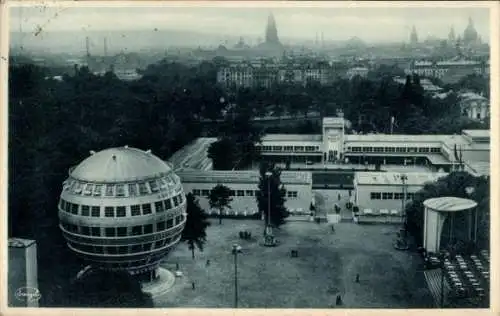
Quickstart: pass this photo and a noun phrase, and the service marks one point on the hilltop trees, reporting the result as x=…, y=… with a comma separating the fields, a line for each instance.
x=196, y=224
x=271, y=196
x=220, y=198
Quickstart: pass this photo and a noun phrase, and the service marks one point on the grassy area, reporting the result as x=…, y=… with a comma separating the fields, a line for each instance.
x=327, y=265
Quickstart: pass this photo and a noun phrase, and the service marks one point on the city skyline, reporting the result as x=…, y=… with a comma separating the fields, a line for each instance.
x=293, y=23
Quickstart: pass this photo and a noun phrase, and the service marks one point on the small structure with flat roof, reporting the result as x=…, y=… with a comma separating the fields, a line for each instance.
x=437, y=210
x=23, y=273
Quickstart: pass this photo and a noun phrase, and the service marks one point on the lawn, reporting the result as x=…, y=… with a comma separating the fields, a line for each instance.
x=326, y=266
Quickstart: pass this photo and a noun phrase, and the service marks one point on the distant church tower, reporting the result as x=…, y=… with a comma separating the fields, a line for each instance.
x=413, y=36
x=271, y=30
x=470, y=34
x=451, y=36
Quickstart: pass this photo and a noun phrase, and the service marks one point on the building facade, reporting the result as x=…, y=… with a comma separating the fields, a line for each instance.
x=474, y=106
x=266, y=73
x=435, y=151
x=381, y=195
x=449, y=71
x=244, y=187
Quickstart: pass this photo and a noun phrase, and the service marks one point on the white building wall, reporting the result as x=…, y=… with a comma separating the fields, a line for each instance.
x=364, y=201
x=476, y=155
x=248, y=203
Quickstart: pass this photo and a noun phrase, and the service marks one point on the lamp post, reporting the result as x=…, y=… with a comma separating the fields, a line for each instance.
x=470, y=191
x=236, y=249
x=268, y=217
x=404, y=177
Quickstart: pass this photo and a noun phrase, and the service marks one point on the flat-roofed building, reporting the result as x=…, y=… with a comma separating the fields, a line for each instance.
x=333, y=145
x=449, y=71
x=244, y=187
x=336, y=150
x=23, y=273
x=380, y=195
x=291, y=147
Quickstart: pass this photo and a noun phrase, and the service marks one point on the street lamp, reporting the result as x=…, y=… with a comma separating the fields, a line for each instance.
x=470, y=191
x=268, y=234
x=236, y=249
x=268, y=217
x=404, y=177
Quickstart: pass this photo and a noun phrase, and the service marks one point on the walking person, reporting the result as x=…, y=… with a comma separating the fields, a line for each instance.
x=339, y=300
x=357, y=277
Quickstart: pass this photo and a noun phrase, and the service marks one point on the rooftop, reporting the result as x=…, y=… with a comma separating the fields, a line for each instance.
x=471, y=96
x=477, y=133
x=449, y=204
x=193, y=155
x=20, y=242
x=394, y=178
x=333, y=121
x=395, y=138
x=292, y=137
x=250, y=176
x=120, y=164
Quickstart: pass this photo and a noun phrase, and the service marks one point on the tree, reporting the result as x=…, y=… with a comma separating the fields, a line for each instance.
x=271, y=196
x=223, y=153
x=220, y=198
x=196, y=224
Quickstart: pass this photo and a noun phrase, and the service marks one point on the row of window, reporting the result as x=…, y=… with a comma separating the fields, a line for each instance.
x=167, y=183
x=123, y=231
x=122, y=211
x=394, y=149
x=289, y=148
x=123, y=250
x=390, y=196
x=206, y=193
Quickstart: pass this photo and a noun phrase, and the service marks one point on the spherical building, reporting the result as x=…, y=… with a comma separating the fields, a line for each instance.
x=122, y=209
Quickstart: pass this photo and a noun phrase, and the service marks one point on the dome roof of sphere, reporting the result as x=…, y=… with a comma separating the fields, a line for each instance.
x=120, y=164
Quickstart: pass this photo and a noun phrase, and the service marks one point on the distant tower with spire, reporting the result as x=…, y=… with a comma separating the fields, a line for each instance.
x=413, y=36
x=271, y=31
x=451, y=36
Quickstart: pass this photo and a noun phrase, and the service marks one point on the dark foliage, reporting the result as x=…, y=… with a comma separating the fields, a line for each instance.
x=194, y=232
x=220, y=198
x=271, y=196
x=106, y=289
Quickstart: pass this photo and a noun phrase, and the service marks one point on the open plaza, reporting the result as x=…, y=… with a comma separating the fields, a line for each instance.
x=326, y=266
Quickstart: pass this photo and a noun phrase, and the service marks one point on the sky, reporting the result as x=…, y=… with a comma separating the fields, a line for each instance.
x=299, y=20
